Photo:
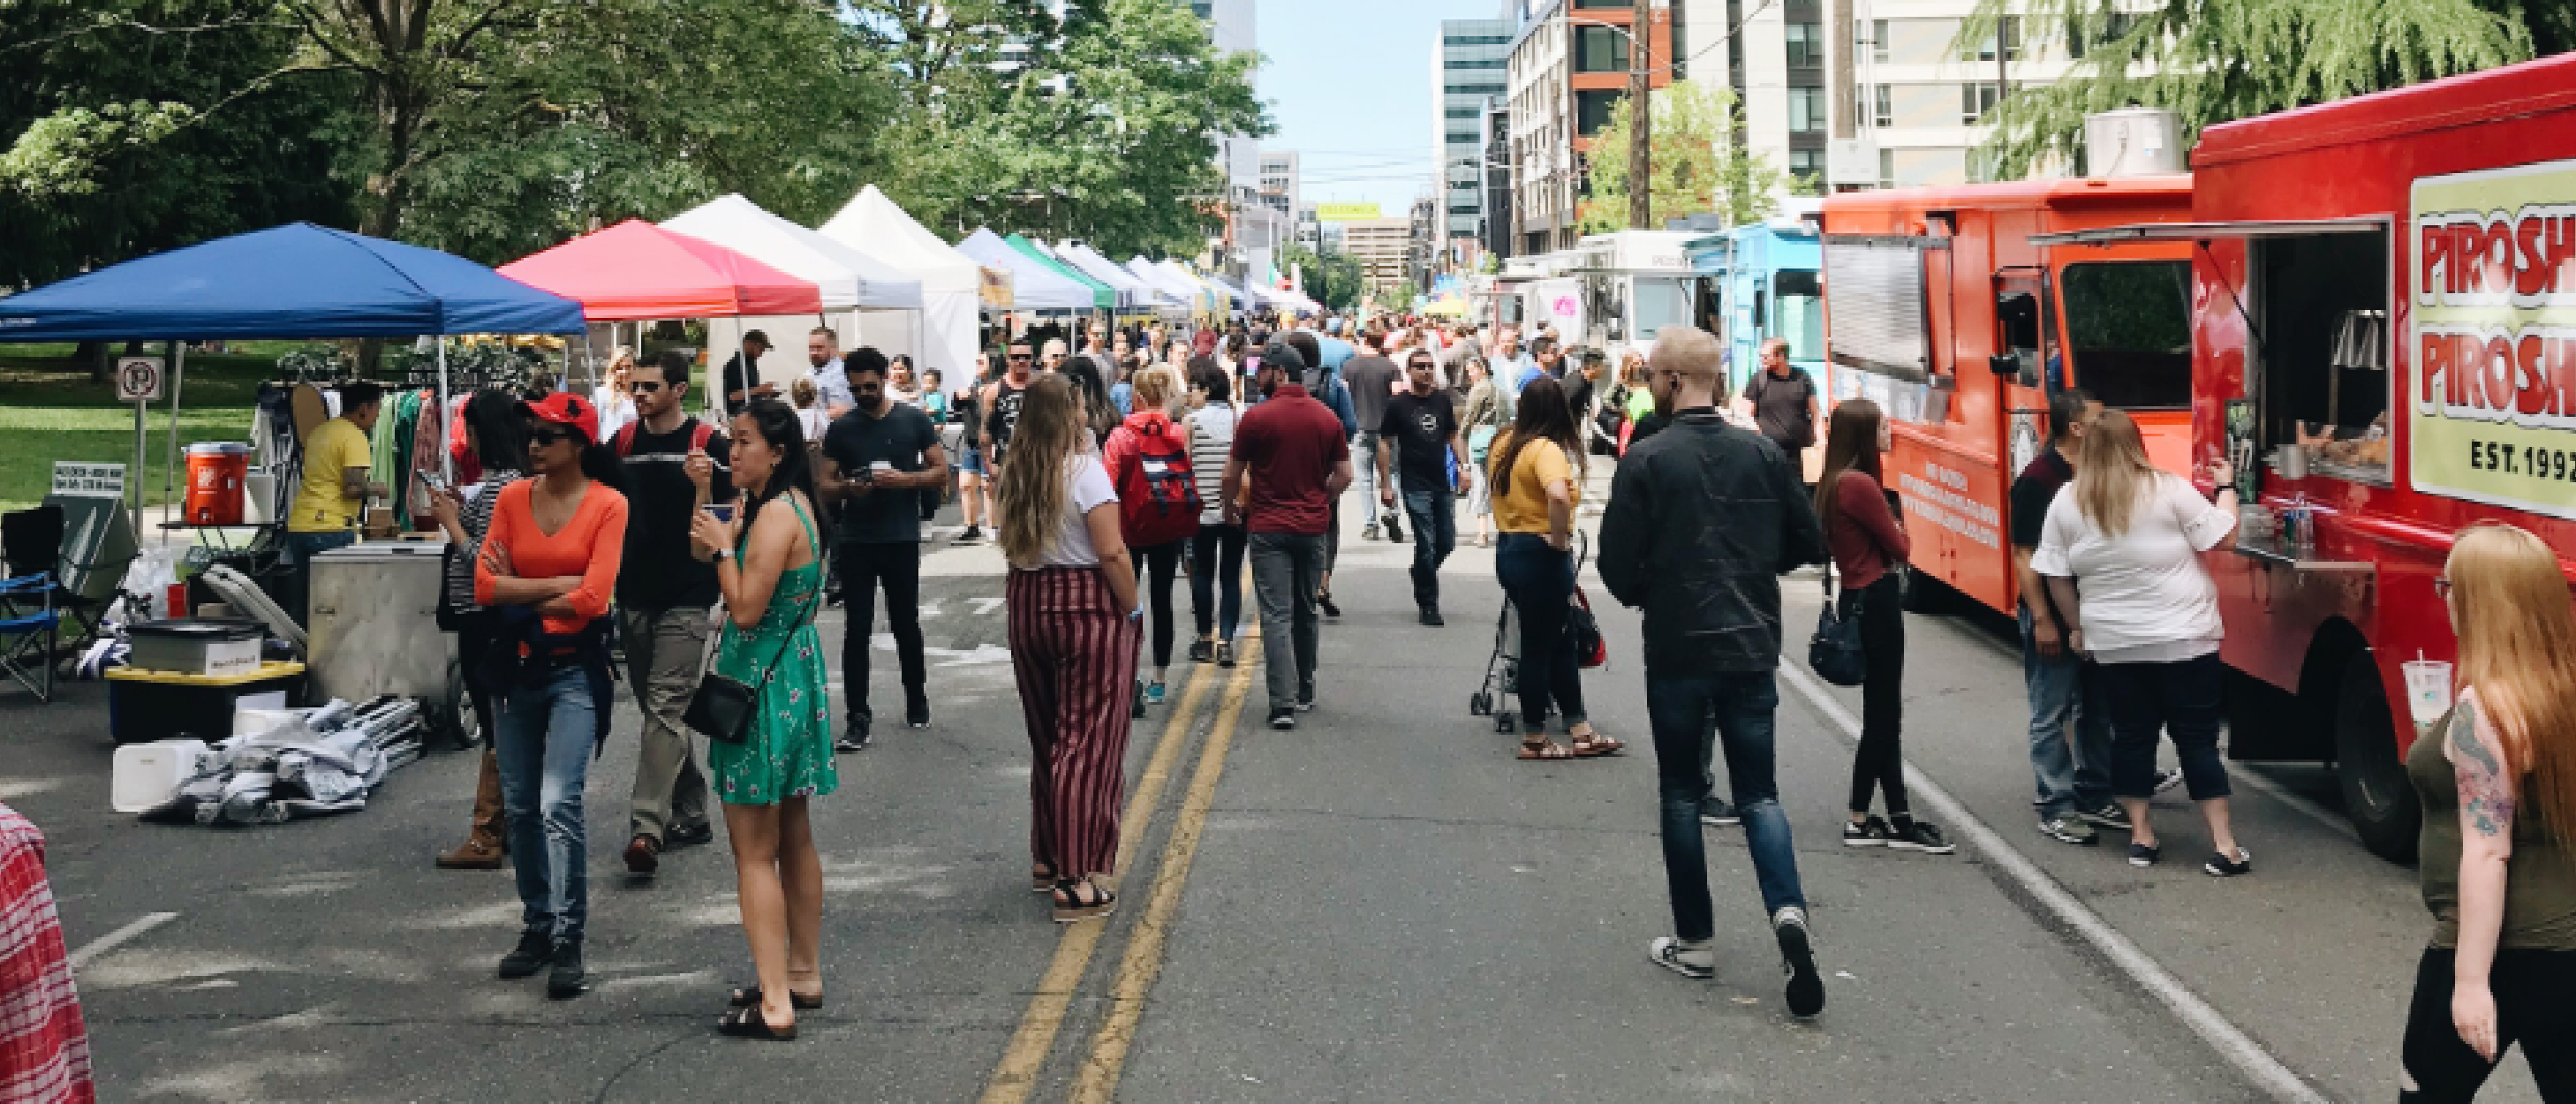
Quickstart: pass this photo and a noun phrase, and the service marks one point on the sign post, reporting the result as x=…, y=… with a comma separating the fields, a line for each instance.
x=138, y=381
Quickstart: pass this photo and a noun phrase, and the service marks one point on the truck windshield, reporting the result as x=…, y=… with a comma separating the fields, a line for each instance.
x=1661, y=303
x=1801, y=313
x=2128, y=332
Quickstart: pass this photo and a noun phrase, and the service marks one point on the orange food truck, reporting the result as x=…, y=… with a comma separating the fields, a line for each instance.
x=1939, y=308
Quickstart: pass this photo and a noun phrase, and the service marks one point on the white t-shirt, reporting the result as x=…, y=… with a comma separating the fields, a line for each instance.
x=1087, y=487
x=2146, y=597
x=814, y=420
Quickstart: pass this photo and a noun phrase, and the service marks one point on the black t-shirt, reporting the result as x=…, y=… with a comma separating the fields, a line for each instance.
x=2032, y=491
x=1419, y=427
x=857, y=443
x=1372, y=379
x=1004, y=417
x=740, y=377
x=659, y=572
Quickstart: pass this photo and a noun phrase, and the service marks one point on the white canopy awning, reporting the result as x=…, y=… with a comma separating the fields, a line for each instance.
x=848, y=277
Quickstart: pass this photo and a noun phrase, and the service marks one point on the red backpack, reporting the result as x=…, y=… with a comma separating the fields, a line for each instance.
x=1158, y=500
x=624, y=441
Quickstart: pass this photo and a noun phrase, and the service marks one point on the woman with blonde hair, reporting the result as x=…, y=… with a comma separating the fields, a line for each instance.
x=1073, y=625
x=617, y=400
x=2132, y=536
x=2497, y=777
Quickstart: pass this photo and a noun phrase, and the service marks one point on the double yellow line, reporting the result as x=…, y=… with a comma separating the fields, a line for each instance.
x=1025, y=1056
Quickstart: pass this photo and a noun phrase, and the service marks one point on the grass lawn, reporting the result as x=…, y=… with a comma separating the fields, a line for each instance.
x=49, y=411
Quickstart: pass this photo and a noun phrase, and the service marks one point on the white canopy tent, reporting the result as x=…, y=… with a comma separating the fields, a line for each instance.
x=1132, y=292
x=1034, y=286
x=866, y=301
x=950, y=281
x=1190, y=293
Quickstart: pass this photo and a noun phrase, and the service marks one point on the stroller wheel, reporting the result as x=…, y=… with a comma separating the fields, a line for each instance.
x=1480, y=704
x=1503, y=724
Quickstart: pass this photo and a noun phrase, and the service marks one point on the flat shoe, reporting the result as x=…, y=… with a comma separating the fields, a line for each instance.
x=748, y=1023
x=1070, y=908
x=749, y=997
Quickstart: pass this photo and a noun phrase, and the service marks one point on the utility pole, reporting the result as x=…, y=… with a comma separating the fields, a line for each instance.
x=1641, y=121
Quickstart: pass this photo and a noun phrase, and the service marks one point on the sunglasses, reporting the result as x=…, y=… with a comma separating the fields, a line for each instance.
x=647, y=387
x=1019, y=356
x=550, y=436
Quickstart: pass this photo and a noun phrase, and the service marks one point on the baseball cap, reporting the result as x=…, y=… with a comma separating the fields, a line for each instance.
x=1283, y=356
x=1333, y=325
x=566, y=408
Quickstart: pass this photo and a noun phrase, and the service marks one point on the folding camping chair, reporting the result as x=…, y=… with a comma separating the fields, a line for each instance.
x=29, y=627
x=31, y=541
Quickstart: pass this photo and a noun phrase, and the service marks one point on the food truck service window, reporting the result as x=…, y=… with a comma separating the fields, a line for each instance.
x=1800, y=316
x=2320, y=302
x=2128, y=333
x=1880, y=345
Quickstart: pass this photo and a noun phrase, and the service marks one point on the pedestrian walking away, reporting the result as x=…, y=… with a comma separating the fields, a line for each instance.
x=1148, y=460
x=1538, y=468
x=1702, y=521
x=768, y=558
x=1870, y=550
x=1290, y=462
x=2129, y=538
x=877, y=460
x=2497, y=778
x=1073, y=629
x=1373, y=380
x=1216, y=550
x=1324, y=384
x=1422, y=455
x=549, y=566
x=664, y=594
x=498, y=435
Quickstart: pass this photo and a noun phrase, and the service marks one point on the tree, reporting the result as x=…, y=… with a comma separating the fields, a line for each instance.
x=2210, y=61
x=1333, y=278
x=1698, y=166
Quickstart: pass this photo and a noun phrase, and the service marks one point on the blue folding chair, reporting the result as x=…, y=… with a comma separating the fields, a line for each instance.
x=29, y=630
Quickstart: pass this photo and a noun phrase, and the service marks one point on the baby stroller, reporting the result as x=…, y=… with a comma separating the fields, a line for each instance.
x=1494, y=697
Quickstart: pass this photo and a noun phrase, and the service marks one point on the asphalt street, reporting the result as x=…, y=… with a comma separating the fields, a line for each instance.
x=1381, y=905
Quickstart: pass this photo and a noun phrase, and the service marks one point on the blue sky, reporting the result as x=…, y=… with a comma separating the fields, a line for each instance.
x=1349, y=83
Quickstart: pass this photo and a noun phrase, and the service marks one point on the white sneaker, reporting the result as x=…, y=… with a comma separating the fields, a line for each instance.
x=1689, y=959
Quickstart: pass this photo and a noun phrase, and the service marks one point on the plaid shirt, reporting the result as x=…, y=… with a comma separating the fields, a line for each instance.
x=44, y=1051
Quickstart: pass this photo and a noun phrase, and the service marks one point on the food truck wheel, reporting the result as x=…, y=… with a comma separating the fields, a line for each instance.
x=2376, y=793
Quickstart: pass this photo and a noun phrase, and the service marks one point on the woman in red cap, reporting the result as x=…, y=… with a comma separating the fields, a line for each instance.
x=548, y=567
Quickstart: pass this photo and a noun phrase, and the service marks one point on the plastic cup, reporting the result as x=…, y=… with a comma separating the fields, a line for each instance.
x=2428, y=691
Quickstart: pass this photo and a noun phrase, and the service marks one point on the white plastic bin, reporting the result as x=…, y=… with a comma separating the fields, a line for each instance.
x=146, y=775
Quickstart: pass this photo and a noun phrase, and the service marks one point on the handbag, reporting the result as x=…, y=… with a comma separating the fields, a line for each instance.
x=722, y=708
x=1583, y=633
x=1834, y=653
x=1480, y=441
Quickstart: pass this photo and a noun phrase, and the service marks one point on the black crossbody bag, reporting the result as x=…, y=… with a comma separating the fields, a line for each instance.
x=722, y=708
x=1835, y=653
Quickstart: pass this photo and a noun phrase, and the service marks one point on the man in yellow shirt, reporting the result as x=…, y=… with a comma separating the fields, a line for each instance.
x=331, y=499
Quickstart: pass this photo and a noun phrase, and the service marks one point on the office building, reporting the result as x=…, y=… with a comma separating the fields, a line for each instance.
x=1279, y=182
x=1921, y=98
x=1569, y=64
x=1468, y=80
x=1382, y=246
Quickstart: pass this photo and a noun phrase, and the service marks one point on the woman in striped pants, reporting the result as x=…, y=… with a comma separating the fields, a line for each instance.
x=1073, y=633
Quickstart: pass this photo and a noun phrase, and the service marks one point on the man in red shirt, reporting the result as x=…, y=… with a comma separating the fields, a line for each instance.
x=1290, y=462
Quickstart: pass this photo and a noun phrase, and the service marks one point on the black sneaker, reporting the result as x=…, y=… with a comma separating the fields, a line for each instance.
x=1806, y=990
x=1431, y=617
x=1717, y=810
x=853, y=738
x=1306, y=697
x=1394, y=532
x=2110, y=815
x=568, y=980
x=536, y=948
x=1324, y=602
x=1283, y=718
x=1202, y=651
x=2144, y=854
x=916, y=711
x=1920, y=836
x=2220, y=866
x=689, y=835
x=972, y=535
x=1224, y=654
x=1872, y=832
x=2167, y=779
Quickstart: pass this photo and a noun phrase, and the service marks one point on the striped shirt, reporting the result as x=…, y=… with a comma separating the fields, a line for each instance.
x=44, y=1049
x=476, y=517
x=1211, y=431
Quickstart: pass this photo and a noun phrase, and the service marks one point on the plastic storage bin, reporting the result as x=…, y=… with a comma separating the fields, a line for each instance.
x=146, y=775
x=196, y=646
x=143, y=706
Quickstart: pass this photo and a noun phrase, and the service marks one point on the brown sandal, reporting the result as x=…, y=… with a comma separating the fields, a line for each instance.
x=1543, y=748
x=1596, y=746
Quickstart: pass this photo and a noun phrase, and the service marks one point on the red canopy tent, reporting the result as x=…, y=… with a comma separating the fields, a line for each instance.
x=636, y=271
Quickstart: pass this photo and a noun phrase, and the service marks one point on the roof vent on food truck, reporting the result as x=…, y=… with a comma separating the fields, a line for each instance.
x=2133, y=141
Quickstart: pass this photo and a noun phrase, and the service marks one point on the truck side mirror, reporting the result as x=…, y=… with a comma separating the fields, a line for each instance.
x=2004, y=364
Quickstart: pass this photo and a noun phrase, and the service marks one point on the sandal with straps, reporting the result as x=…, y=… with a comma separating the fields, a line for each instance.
x=1540, y=747
x=1072, y=907
x=749, y=997
x=748, y=1023
x=1594, y=745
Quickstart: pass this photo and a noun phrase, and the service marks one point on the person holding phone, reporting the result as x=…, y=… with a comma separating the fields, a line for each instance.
x=878, y=460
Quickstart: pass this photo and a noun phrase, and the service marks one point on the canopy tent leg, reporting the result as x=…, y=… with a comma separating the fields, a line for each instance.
x=170, y=470
x=446, y=448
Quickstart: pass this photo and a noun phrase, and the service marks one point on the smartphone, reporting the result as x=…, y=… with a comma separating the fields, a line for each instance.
x=436, y=481
x=723, y=511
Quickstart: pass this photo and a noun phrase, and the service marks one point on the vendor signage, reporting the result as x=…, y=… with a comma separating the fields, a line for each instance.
x=993, y=288
x=138, y=379
x=2492, y=413
x=80, y=479
x=1346, y=212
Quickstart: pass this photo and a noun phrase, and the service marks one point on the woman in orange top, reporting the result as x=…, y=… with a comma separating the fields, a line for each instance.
x=548, y=567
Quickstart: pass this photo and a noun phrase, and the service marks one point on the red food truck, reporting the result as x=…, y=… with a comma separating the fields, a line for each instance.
x=1939, y=308
x=2384, y=302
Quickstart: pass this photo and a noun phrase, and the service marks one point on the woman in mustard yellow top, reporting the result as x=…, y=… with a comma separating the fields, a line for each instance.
x=1536, y=467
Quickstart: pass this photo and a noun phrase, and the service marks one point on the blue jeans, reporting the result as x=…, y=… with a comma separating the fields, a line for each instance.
x=2179, y=699
x=1743, y=703
x=544, y=745
x=1435, y=534
x=2074, y=774
x=300, y=550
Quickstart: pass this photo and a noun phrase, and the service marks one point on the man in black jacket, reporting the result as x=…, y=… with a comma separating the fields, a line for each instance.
x=1702, y=521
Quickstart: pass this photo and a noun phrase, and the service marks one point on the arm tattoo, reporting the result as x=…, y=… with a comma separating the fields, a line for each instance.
x=2486, y=790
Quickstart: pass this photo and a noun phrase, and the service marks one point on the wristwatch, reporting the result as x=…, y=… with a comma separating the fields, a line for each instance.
x=723, y=554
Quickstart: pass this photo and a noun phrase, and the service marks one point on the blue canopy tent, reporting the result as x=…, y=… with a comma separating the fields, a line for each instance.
x=291, y=281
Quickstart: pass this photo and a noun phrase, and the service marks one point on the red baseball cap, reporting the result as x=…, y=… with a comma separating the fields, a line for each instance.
x=566, y=408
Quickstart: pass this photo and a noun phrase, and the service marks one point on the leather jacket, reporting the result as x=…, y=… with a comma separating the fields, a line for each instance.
x=1703, y=520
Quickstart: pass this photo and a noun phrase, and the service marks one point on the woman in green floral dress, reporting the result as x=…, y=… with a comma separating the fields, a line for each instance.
x=772, y=575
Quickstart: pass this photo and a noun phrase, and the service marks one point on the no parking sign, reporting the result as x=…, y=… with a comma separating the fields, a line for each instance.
x=138, y=379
